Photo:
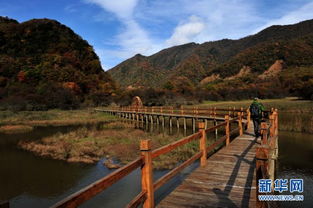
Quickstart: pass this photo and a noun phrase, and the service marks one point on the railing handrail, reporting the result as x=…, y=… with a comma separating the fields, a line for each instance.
x=182, y=111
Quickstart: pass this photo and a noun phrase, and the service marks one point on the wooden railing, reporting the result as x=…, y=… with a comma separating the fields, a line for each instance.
x=146, y=196
x=214, y=112
x=266, y=153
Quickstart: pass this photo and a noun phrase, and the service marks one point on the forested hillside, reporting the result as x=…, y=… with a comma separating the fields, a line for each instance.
x=44, y=64
x=229, y=69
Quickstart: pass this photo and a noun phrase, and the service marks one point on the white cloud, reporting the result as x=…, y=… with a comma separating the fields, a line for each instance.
x=132, y=38
x=151, y=25
x=186, y=32
x=303, y=13
x=121, y=8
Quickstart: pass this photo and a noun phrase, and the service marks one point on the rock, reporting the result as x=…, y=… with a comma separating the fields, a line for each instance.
x=110, y=164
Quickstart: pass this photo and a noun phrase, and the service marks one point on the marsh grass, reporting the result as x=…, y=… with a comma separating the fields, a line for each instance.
x=53, y=117
x=298, y=122
x=117, y=140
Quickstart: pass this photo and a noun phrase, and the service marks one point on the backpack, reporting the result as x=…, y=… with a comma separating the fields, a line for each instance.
x=255, y=110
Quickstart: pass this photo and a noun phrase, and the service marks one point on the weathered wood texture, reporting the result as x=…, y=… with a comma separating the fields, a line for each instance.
x=228, y=179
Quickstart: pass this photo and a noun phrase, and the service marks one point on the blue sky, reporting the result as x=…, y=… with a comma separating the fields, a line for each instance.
x=119, y=29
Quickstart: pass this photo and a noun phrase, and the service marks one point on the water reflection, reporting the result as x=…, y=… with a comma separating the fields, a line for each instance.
x=295, y=161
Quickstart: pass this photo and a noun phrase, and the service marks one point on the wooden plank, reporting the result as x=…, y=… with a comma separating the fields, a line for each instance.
x=93, y=189
x=139, y=199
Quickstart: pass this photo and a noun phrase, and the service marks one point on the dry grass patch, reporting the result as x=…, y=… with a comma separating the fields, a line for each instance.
x=89, y=146
x=12, y=129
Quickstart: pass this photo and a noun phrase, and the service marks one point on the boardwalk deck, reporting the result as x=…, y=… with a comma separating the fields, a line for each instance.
x=228, y=179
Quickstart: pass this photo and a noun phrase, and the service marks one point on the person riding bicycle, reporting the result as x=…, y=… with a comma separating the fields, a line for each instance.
x=256, y=109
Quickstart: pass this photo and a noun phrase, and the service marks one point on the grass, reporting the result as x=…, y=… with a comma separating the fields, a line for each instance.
x=294, y=114
x=53, y=117
x=12, y=129
x=116, y=140
x=290, y=104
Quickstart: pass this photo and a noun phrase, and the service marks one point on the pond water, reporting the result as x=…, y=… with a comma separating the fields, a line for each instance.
x=30, y=181
x=296, y=161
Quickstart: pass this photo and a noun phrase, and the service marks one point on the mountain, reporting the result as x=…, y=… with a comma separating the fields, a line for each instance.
x=44, y=64
x=197, y=63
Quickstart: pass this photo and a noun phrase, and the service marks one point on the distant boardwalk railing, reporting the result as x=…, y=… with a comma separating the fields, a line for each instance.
x=146, y=196
x=231, y=111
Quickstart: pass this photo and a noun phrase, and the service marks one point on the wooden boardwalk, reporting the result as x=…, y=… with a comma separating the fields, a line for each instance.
x=228, y=179
x=225, y=179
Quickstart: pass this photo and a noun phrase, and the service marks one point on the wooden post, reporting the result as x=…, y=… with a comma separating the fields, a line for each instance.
x=240, y=124
x=182, y=110
x=276, y=122
x=146, y=173
x=203, y=159
x=264, y=132
x=163, y=122
x=261, y=169
x=177, y=122
x=185, y=124
x=193, y=125
x=214, y=112
x=272, y=128
x=248, y=118
x=170, y=123
x=227, y=129
x=216, y=131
